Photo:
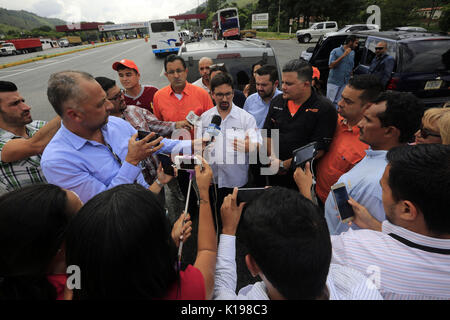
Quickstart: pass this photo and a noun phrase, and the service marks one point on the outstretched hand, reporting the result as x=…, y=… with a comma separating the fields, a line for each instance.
x=231, y=213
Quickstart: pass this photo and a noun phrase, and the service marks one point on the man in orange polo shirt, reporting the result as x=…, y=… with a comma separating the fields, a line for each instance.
x=346, y=149
x=175, y=101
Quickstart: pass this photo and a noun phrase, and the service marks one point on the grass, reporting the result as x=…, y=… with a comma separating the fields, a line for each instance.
x=275, y=35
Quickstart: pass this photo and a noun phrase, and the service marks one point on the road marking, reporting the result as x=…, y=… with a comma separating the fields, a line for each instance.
x=121, y=54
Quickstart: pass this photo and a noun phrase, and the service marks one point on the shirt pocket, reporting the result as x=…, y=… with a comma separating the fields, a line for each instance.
x=347, y=160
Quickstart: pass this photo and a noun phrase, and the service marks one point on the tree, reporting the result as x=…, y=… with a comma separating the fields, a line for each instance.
x=444, y=21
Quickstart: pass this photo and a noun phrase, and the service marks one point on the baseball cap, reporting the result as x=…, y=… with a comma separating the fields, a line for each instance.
x=316, y=73
x=127, y=63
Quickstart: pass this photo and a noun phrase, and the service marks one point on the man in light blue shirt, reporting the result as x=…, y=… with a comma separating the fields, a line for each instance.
x=391, y=121
x=258, y=104
x=93, y=152
x=341, y=63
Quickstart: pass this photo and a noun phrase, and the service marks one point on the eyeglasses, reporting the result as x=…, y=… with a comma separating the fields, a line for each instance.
x=172, y=72
x=424, y=133
x=379, y=48
x=117, y=96
x=221, y=95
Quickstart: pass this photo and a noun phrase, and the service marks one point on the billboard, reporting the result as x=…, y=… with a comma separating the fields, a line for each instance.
x=260, y=21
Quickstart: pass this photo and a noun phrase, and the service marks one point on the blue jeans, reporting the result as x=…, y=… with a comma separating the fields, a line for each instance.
x=334, y=93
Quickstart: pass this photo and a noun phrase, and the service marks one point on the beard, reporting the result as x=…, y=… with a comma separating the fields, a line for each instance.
x=224, y=105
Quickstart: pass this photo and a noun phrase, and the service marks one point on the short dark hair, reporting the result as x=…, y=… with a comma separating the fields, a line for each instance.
x=172, y=58
x=106, y=83
x=220, y=79
x=218, y=67
x=268, y=70
x=121, y=240
x=121, y=67
x=7, y=86
x=64, y=87
x=421, y=174
x=403, y=111
x=288, y=237
x=304, y=69
x=350, y=38
x=259, y=63
x=33, y=221
x=370, y=85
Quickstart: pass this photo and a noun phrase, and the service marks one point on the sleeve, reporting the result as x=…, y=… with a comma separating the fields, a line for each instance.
x=225, y=280
x=163, y=128
x=246, y=105
x=156, y=105
x=252, y=130
x=388, y=68
x=71, y=176
x=208, y=104
x=176, y=146
x=333, y=57
x=325, y=128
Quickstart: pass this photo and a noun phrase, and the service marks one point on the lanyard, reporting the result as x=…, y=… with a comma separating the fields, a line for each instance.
x=114, y=155
x=419, y=246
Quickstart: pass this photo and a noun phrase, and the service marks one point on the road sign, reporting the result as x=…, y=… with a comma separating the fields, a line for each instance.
x=260, y=21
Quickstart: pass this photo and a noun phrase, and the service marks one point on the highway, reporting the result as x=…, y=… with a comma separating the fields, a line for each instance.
x=32, y=78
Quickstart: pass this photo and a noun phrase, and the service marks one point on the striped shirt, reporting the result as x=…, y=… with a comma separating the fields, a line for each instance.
x=15, y=175
x=400, y=271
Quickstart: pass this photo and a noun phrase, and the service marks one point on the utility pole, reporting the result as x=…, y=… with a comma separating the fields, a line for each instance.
x=278, y=29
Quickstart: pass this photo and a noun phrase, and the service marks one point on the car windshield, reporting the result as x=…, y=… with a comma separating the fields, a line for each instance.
x=426, y=55
x=343, y=29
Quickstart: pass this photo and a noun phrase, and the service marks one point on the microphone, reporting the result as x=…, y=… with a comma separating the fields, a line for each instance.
x=213, y=129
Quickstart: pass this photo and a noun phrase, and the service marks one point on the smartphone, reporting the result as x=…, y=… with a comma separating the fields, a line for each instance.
x=166, y=163
x=304, y=154
x=187, y=162
x=192, y=118
x=340, y=196
x=248, y=194
x=142, y=134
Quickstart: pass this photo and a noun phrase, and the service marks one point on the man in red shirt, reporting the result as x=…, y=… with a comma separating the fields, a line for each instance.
x=346, y=150
x=135, y=93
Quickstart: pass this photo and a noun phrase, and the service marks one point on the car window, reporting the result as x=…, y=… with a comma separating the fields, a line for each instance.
x=425, y=56
x=319, y=26
x=328, y=45
x=330, y=25
x=370, y=50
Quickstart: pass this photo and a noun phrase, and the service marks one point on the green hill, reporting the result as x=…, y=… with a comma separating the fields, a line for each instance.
x=26, y=20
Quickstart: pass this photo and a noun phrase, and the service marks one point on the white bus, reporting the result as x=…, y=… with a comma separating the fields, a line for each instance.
x=163, y=36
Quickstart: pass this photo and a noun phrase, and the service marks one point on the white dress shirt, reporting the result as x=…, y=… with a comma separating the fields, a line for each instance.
x=230, y=167
x=199, y=83
x=343, y=283
x=401, y=271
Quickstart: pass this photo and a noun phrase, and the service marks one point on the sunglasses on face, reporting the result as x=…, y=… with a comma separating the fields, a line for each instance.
x=424, y=133
x=379, y=48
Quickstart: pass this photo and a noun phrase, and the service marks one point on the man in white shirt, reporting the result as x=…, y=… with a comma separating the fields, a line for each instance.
x=409, y=254
x=203, y=68
x=288, y=247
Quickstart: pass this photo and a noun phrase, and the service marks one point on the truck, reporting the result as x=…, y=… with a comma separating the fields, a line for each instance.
x=7, y=49
x=23, y=45
x=70, y=41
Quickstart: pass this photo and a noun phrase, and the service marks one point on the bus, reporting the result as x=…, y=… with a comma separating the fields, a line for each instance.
x=226, y=24
x=163, y=36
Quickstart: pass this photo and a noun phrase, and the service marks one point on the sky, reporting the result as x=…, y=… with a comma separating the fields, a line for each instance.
x=118, y=11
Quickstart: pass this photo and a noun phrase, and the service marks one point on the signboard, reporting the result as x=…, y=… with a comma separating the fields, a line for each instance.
x=260, y=21
x=123, y=26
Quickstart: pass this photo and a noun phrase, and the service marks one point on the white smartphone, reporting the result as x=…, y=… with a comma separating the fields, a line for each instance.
x=192, y=118
x=341, y=198
x=187, y=162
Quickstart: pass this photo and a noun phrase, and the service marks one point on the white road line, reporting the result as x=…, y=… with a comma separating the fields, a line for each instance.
x=121, y=54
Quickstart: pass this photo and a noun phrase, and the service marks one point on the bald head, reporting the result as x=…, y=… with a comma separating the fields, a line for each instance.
x=203, y=68
x=64, y=89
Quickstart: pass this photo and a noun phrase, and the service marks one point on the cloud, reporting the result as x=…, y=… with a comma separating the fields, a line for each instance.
x=118, y=11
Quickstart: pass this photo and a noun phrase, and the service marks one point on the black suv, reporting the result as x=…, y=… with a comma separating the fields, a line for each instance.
x=422, y=61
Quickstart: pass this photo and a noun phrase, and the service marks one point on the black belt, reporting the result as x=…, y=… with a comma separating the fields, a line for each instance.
x=419, y=246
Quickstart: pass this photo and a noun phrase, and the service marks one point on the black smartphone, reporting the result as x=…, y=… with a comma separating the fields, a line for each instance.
x=340, y=196
x=248, y=194
x=142, y=134
x=166, y=163
x=303, y=155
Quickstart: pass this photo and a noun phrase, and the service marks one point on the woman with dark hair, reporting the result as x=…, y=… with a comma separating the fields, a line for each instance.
x=122, y=243
x=33, y=223
x=250, y=88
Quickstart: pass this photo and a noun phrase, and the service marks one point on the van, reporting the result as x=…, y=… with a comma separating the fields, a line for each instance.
x=316, y=31
x=237, y=55
x=163, y=36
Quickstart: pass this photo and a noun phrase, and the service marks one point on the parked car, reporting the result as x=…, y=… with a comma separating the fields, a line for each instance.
x=422, y=61
x=316, y=31
x=307, y=54
x=237, y=55
x=207, y=33
x=354, y=28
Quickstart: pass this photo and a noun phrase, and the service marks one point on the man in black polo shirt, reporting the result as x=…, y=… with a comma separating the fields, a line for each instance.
x=301, y=116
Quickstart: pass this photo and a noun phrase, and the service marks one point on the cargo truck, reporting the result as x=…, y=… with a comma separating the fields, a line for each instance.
x=70, y=41
x=24, y=45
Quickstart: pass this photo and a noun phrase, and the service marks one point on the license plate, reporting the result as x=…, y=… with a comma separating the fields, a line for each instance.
x=433, y=85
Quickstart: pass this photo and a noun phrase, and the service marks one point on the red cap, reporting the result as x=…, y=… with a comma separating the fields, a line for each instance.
x=316, y=73
x=126, y=63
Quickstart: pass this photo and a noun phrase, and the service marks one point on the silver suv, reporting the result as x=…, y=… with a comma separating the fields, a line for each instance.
x=238, y=56
x=316, y=31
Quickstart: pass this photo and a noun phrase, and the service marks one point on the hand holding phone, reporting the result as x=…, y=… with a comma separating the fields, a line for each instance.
x=304, y=154
x=167, y=164
x=142, y=134
x=248, y=194
x=341, y=198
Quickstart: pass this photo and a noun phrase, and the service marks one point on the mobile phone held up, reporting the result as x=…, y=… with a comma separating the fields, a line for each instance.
x=142, y=134
x=187, y=162
x=248, y=194
x=304, y=154
x=167, y=164
x=341, y=198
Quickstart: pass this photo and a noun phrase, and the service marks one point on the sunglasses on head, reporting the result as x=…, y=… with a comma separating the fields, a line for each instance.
x=424, y=133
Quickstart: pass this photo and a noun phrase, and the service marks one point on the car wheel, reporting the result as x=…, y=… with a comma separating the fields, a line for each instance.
x=307, y=38
x=300, y=39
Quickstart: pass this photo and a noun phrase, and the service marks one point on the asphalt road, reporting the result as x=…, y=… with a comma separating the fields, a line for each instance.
x=32, y=78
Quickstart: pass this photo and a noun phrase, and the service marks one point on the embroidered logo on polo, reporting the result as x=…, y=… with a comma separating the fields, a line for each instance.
x=311, y=110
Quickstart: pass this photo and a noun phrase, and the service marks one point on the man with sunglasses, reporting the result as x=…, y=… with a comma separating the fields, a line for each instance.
x=382, y=64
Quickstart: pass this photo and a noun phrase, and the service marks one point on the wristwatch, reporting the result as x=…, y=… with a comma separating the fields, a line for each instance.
x=160, y=184
x=281, y=164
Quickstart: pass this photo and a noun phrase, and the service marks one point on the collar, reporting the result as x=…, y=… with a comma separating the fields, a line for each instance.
x=277, y=92
x=376, y=153
x=5, y=134
x=234, y=113
x=416, y=238
x=344, y=123
x=185, y=91
x=139, y=94
x=75, y=140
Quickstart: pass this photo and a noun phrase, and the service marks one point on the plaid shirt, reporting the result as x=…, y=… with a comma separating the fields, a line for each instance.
x=142, y=119
x=15, y=175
